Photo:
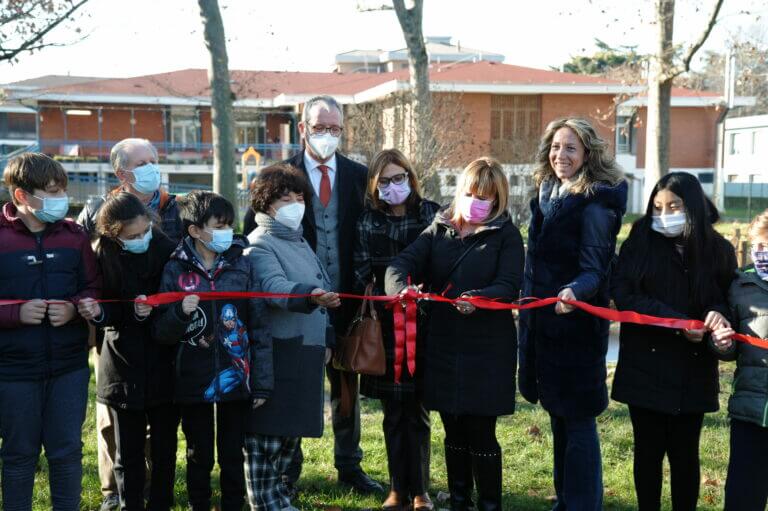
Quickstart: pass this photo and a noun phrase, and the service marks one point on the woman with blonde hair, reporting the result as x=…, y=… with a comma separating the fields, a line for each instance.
x=575, y=217
x=394, y=216
x=471, y=249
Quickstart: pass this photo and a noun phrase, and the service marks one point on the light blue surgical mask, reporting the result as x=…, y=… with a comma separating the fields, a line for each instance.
x=147, y=178
x=221, y=241
x=138, y=246
x=53, y=210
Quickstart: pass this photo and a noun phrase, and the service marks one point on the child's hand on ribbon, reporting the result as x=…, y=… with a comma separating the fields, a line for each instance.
x=33, y=312
x=189, y=304
x=142, y=310
x=89, y=309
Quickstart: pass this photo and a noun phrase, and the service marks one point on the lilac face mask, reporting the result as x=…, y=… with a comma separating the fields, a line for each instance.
x=474, y=210
x=394, y=194
x=760, y=258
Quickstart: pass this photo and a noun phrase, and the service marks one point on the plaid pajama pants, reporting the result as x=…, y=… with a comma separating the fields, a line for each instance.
x=266, y=459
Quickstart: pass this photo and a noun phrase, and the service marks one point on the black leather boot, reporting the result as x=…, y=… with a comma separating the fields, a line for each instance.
x=458, y=463
x=487, y=469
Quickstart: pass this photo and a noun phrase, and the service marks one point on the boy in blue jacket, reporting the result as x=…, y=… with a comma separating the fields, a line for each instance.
x=224, y=349
x=46, y=260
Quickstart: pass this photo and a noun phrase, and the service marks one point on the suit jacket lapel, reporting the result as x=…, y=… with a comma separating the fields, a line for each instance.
x=298, y=162
x=343, y=185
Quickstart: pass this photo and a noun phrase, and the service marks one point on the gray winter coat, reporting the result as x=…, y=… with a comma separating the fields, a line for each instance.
x=748, y=297
x=284, y=262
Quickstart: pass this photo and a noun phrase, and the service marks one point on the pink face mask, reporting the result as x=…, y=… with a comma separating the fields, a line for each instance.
x=474, y=210
x=394, y=194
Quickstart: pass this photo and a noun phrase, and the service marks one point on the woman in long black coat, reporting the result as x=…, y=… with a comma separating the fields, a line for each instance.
x=471, y=249
x=674, y=264
x=395, y=215
x=571, y=243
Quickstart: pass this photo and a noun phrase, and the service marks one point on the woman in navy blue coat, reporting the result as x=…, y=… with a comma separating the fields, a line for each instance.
x=576, y=216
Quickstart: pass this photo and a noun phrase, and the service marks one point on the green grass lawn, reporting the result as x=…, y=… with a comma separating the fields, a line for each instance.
x=524, y=437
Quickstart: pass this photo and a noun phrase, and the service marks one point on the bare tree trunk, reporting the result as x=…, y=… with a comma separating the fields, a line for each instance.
x=661, y=74
x=418, y=65
x=221, y=102
x=659, y=97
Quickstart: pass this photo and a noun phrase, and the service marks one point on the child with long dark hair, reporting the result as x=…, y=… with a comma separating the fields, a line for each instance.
x=135, y=374
x=674, y=264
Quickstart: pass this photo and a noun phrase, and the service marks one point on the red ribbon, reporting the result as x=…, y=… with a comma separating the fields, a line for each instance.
x=405, y=311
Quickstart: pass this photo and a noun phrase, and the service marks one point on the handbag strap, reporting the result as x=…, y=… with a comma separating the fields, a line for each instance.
x=464, y=254
x=367, y=305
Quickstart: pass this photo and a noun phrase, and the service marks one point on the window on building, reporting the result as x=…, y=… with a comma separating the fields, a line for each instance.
x=515, y=127
x=741, y=143
x=626, y=134
x=184, y=129
x=706, y=178
x=19, y=126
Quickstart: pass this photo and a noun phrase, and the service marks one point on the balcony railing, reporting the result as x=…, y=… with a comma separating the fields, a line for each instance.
x=168, y=152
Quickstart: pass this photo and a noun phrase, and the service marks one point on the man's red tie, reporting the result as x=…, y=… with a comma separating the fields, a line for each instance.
x=325, y=185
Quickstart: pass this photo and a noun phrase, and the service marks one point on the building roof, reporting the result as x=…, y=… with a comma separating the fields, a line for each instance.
x=51, y=81
x=682, y=97
x=280, y=88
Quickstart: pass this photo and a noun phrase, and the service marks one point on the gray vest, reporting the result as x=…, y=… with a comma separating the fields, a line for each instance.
x=327, y=224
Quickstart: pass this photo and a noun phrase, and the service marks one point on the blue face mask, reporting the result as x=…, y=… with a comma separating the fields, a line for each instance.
x=147, y=178
x=138, y=246
x=221, y=240
x=53, y=210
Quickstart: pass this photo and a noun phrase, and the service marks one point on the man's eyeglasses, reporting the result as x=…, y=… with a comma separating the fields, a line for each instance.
x=319, y=129
x=398, y=179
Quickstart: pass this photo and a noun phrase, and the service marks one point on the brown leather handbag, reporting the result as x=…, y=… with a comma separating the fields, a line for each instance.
x=362, y=349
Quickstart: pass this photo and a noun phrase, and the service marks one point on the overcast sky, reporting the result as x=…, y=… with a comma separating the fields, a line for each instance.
x=137, y=37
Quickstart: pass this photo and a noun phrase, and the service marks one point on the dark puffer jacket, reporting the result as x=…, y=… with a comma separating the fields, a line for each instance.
x=134, y=371
x=470, y=359
x=55, y=264
x=571, y=245
x=748, y=297
x=224, y=350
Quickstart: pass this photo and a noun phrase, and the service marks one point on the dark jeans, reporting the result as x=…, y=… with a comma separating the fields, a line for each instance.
x=197, y=422
x=677, y=436
x=347, y=454
x=130, y=438
x=747, y=485
x=48, y=413
x=578, y=470
x=406, y=435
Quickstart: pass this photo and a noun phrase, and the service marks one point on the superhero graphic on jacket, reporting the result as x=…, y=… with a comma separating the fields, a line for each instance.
x=233, y=336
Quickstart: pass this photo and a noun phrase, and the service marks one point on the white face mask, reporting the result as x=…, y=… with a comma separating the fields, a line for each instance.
x=323, y=145
x=290, y=215
x=670, y=226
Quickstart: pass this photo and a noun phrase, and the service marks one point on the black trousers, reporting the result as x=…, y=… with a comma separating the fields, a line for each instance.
x=406, y=436
x=347, y=454
x=475, y=433
x=130, y=428
x=746, y=488
x=197, y=422
x=677, y=436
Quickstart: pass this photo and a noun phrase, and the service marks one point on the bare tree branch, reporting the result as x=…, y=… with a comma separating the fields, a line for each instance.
x=32, y=43
x=688, y=57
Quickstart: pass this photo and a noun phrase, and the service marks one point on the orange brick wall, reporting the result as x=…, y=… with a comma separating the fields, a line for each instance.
x=475, y=130
x=206, y=136
x=116, y=125
x=692, y=137
x=599, y=108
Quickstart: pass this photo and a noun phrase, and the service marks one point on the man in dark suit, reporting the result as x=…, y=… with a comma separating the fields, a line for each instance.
x=329, y=223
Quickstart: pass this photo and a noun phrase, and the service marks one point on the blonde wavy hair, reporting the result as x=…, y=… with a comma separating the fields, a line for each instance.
x=486, y=178
x=599, y=165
